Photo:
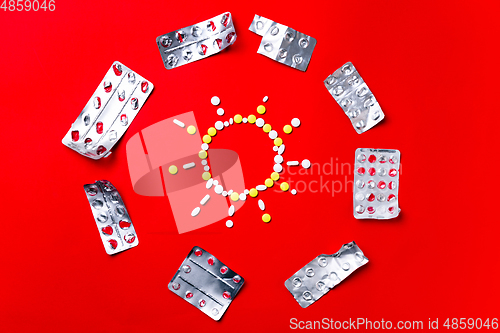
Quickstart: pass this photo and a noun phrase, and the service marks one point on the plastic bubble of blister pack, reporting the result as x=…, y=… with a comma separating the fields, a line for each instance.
x=206, y=283
x=109, y=112
x=354, y=97
x=113, y=221
x=326, y=271
x=376, y=183
x=197, y=41
x=283, y=44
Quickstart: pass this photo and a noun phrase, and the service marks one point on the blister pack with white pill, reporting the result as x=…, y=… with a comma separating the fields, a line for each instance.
x=354, y=97
x=197, y=41
x=326, y=271
x=206, y=283
x=283, y=44
x=109, y=112
x=376, y=183
x=112, y=219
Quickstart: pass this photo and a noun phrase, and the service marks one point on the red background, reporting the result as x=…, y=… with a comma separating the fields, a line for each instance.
x=430, y=64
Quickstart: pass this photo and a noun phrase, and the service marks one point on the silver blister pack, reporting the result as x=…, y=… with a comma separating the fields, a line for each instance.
x=112, y=219
x=206, y=283
x=323, y=273
x=109, y=112
x=283, y=44
x=354, y=97
x=197, y=41
x=376, y=183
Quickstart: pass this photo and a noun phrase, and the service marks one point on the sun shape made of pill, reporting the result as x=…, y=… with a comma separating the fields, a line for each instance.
x=278, y=147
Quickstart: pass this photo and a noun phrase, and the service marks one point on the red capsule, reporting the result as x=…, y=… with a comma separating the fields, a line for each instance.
x=372, y=159
x=144, y=86
x=129, y=238
x=88, y=140
x=117, y=68
x=381, y=185
x=124, y=224
x=226, y=295
x=370, y=210
x=391, y=197
x=361, y=171
x=372, y=171
x=225, y=20
x=113, y=243
x=218, y=41
x=203, y=49
x=371, y=197
x=75, y=135
x=393, y=172
x=99, y=127
x=230, y=37
x=189, y=295
x=237, y=279
x=392, y=185
x=107, y=86
x=210, y=261
x=223, y=270
x=198, y=253
x=211, y=25
x=392, y=210
x=107, y=230
x=101, y=150
x=202, y=303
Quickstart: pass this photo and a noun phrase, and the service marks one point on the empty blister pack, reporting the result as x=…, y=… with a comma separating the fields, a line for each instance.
x=112, y=219
x=109, y=112
x=206, y=283
x=283, y=44
x=323, y=273
x=197, y=41
x=354, y=97
x=376, y=183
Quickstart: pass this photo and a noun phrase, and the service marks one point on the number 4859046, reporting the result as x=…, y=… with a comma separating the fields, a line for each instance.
x=27, y=5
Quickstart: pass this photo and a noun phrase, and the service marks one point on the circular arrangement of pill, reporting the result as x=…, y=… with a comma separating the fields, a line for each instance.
x=278, y=147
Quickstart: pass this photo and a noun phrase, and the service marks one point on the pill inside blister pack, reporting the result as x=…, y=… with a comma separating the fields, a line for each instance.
x=206, y=283
x=196, y=42
x=376, y=183
x=354, y=97
x=113, y=221
x=316, y=279
x=109, y=112
x=283, y=44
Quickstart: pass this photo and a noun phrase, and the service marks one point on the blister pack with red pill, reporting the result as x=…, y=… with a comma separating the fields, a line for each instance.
x=376, y=183
x=109, y=112
x=206, y=283
x=326, y=271
x=350, y=91
x=113, y=221
x=197, y=41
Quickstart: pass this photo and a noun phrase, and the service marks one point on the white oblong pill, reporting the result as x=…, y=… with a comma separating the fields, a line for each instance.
x=292, y=163
x=295, y=122
x=246, y=191
x=206, y=168
x=261, y=187
x=231, y=121
x=245, y=120
x=216, y=182
x=189, y=165
x=179, y=123
x=215, y=100
x=262, y=206
x=204, y=146
x=306, y=164
x=205, y=199
x=229, y=224
x=220, y=111
x=229, y=192
x=218, y=189
x=275, y=148
x=260, y=122
x=224, y=193
x=294, y=191
x=265, y=99
x=273, y=135
x=281, y=149
x=196, y=211
x=230, y=211
x=219, y=125
x=226, y=123
x=277, y=168
x=243, y=196
x=210, y=182
x=204, y=162
x=278, y=159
